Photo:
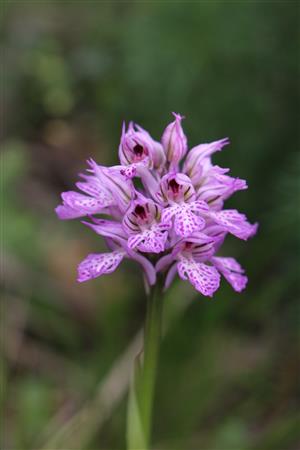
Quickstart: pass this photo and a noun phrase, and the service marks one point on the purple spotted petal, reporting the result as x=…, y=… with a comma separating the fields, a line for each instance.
x=205, y=279
x=186, y=222
x=150, y=241
x=168, y=213
x=235, y=223
x=79, y=205
x=199, y=206
x=93, y=187
x=129, y=172
x=97, y=264
x=232, y=271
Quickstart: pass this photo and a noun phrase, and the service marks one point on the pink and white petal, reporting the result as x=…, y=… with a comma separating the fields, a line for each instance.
x=169, y=213
x=97, y=264
x=199, y=206
x=154, y=241
x=186, y=223
x=92, y=186
x=163, y=226
x=205, y=279
x=65, y=212
x=234, y=222
x=229, y=216
x=135, y=240
x=237, y=281
x=128, y=171
x=227, y=263
x=82, y=203
x=232, y=271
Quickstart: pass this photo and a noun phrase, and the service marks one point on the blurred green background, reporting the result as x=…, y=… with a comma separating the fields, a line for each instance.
x=229, y=367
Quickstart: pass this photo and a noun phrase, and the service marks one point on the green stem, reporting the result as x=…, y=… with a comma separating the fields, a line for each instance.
x=152, y=339
x=141, y=397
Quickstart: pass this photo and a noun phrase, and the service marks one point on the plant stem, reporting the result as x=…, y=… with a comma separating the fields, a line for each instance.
x=152, y=339
x=141, y=397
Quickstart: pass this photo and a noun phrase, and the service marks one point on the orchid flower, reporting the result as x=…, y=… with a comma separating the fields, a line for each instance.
x=172, y=221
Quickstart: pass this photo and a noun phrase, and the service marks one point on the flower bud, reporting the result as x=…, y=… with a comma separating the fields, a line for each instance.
x=174, y=141
x=138, y=146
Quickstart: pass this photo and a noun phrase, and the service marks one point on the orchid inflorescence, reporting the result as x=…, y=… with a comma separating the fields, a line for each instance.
x=172, y=221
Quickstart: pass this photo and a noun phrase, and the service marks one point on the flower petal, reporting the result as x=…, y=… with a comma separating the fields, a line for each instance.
x=205, y=279
x=232, y=271
x=93, y=187
x=135, y=240
x=150, y=241
x=164, y=262
x=119, y=187
x=97, y=264
x=64, y=212
x=199, y=206
x=146, y=264
x=170, y=276
x=186, y=222
x=149, y=181
x=198, y=153
x=234, y=222
x=129, y=171
x=168, y=213
x=79, y=205
x=107, y=228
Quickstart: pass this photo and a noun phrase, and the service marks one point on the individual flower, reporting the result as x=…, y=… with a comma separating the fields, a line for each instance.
x=137, y=150
x=162, y=211
x=179, y=197
x=194, y=261
x=145, y=230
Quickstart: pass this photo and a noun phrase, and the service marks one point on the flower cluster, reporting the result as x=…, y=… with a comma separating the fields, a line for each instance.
x=171, y=220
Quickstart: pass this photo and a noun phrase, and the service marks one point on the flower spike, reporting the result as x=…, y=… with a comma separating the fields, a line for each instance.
x=156, y=206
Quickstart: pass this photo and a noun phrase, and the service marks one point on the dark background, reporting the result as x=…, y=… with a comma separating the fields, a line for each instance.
x=229, y=369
